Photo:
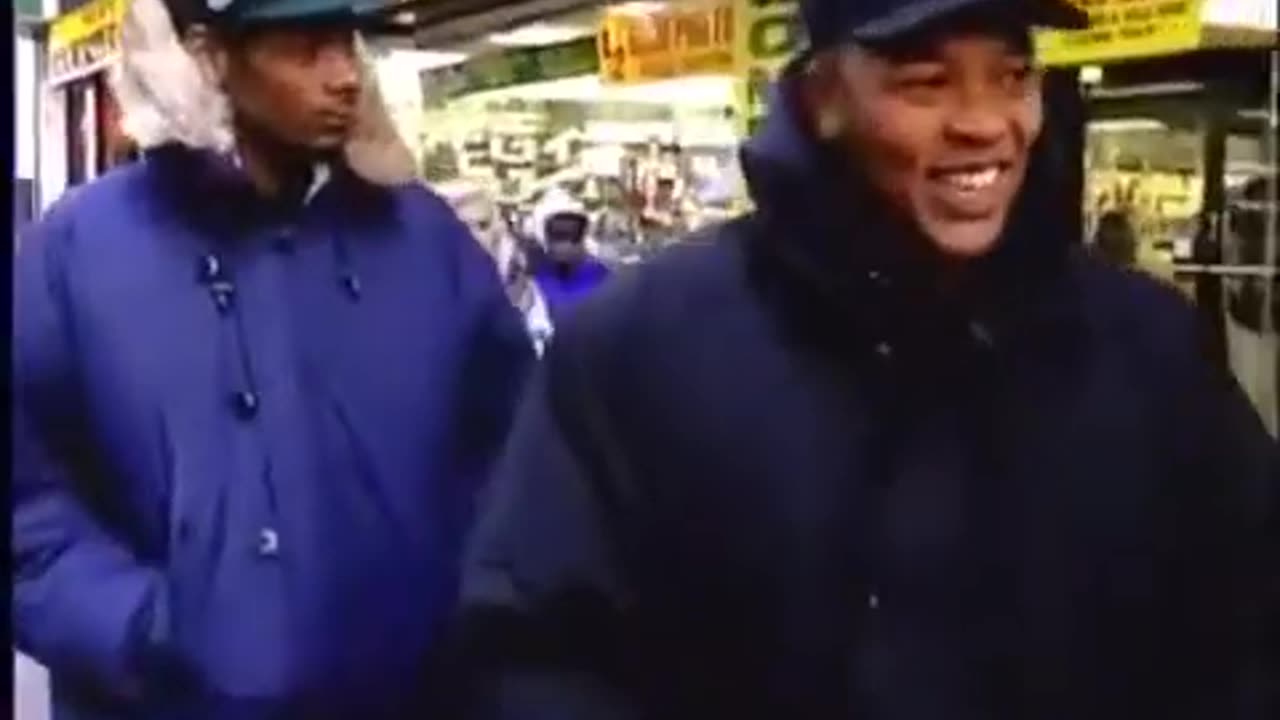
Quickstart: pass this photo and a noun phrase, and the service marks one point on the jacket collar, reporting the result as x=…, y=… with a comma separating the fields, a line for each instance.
x=212, y=190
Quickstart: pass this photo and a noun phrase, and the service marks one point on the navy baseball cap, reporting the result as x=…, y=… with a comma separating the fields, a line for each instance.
x=834, y=22
x=269, y=12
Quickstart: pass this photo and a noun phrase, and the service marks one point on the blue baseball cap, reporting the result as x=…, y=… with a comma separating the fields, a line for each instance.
x=834, y=22
x=269, y=12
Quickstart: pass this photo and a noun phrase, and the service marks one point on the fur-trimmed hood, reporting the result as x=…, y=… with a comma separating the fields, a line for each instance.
x=166, y=98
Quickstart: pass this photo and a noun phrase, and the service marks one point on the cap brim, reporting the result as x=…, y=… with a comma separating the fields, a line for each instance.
x=914, y=17
x=301, y=13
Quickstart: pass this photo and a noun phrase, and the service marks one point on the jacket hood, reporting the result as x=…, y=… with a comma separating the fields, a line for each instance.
x=165, y=99
x=840, y=239
x=555, y=201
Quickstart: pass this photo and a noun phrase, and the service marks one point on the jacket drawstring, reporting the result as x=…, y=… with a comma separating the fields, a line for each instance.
x=348, y=280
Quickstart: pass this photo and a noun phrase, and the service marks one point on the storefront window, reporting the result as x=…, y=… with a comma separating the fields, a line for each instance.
x=1181, y=157
x=1145, y=169
x=633, y=110
x=1249, y=241
x=117, y=147
x=81, y=132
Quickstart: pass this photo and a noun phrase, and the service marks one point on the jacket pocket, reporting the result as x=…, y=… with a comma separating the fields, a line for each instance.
x=191, y=551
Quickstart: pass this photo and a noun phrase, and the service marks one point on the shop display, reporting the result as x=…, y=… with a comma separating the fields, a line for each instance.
x=634, y=160
x=635, y=111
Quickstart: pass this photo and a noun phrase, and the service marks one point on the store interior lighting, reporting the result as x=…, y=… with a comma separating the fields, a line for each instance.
x=1091, y=75
x=639, y=7
x=700, y=91
x=1259, y=14
x=415, y=61
x=1127, y=125
x=1254, y=114
x=539, y=34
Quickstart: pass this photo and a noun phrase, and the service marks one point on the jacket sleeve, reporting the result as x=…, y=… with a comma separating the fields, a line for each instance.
x=82, y=604
x=544, y=593
x=498, y=358
x=1227, y=570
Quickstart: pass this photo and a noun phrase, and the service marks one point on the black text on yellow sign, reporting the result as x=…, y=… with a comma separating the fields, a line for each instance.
x=665, y=45
x=93, y=52
x=84, y=39
x=1121, y=29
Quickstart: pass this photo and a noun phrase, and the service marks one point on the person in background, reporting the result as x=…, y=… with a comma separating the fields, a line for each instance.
x=906, y=452
x=477, y=208
x=259, y=377
x=1115, y=239
x=570, y=271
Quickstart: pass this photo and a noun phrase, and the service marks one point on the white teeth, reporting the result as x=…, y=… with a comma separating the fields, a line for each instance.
x=971, y=181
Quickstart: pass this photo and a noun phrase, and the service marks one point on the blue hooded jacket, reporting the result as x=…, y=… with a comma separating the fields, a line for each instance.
x=247, y=441
x=835, y=493
x=565, y=287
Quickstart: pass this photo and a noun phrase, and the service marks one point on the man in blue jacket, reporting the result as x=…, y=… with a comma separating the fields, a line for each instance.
x=258, y=380
x=890, y=447
x=569, y=272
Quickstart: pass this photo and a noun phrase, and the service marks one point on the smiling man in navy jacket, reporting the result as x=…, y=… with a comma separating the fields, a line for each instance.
x=259, y=377
x=888, y=448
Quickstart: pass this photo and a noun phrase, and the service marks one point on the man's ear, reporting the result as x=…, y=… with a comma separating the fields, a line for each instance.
x=822, y=97
x=210, y=52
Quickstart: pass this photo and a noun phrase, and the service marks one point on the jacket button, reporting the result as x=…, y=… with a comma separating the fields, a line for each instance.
x=244, y=404
x=224, y=296
x=981, y=334
x=873, y=601
x=284, y=242
x=884, y=350
x=208, y=269
x=268, y=542
x=351, y=283
x=184, y=531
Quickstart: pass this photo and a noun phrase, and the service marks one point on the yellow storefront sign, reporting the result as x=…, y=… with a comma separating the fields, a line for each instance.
x=668, y=44
x=767, y=33
x=85, y=39
x=1124, y=29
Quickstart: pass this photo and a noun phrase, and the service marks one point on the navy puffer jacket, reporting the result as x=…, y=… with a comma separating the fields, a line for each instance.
x=773, y=474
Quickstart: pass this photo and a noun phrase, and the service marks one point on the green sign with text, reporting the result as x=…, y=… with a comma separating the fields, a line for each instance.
x=512, y=67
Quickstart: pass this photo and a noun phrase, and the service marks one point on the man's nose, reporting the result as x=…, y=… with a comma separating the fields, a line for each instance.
x=978, y=116
x=977, y=124
x=342, y=72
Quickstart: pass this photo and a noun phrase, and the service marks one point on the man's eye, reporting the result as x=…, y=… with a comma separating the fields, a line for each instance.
x=932, y=82
x=921, y=88
x=921, y=77
x=1018, y=78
